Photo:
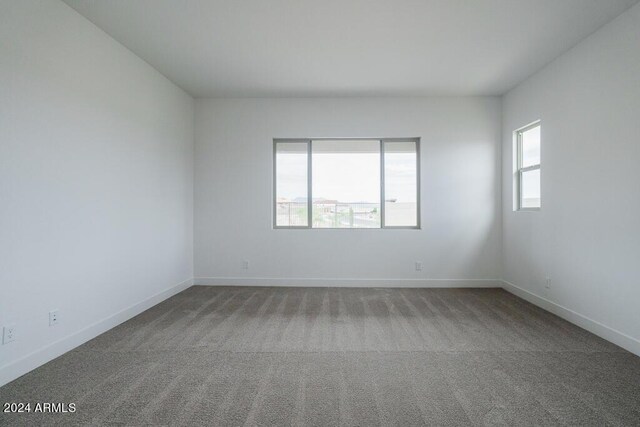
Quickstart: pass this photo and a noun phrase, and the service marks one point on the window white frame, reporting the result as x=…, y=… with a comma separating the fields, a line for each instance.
x=520, y=170
x=309, y=142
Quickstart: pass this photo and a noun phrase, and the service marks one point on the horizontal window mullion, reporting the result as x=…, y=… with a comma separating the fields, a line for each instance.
x=530, y=168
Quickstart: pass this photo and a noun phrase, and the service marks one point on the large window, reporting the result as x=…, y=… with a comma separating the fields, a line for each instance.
x=342, y=183
x=528, y=167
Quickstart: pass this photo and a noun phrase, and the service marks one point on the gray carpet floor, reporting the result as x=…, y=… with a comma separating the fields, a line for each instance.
x=326, y=356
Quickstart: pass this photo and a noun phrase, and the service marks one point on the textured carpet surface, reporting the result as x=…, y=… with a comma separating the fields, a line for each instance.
x=326, y=356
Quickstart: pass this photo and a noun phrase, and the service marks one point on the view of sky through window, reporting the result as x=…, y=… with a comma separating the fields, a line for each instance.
x=346, y=184
x=531, y=147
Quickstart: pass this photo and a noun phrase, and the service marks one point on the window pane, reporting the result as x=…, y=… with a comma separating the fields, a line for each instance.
x=531, y=147
x=346, y=183
x=530, y=189
x=400, y=184
x=291, y=184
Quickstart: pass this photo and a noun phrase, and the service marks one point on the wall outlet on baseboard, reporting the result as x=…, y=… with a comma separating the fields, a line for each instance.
x=245, y=264
x=54, y=317
x=8, y=334
x=547, y=283
x=418, y=266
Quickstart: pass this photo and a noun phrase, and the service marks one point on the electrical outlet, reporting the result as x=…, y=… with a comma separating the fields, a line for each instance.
x=8, y=334
x=547, y=283
x=54, y=317
x=418, y=266
x=245, y=264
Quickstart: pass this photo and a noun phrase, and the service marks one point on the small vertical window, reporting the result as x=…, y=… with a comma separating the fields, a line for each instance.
x=291, y=173
x=528, y=167
x=400, y=184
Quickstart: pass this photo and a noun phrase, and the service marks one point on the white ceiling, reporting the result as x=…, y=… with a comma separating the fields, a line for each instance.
x=348, y=47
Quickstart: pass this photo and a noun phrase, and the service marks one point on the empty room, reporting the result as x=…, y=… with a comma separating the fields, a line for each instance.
x=320, y=213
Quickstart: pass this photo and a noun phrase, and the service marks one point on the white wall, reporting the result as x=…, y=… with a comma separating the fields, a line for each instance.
x=96, y=182
x=460, y=236
x=586, y=237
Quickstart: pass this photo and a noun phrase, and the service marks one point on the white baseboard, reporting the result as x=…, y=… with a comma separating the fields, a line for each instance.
x=39, y=357
x=347, y=283
x=603, y=331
